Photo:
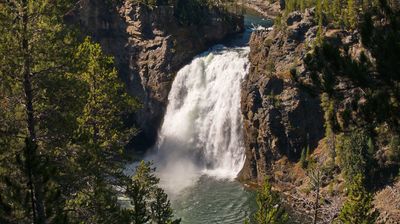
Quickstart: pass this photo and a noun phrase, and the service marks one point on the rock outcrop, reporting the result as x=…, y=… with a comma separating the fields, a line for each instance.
x=150, y=46
x=269, y=9
x=280, y=117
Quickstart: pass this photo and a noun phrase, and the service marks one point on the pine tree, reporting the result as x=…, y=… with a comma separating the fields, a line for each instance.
x=143, y=188
x=270, y=210
x=352, y=15
x=63, y=111
x=138, y=196
x=358, y=207
x=353, y=154
x=32, y=47
x=336, y=10
x=100, y=137
x=107, y=101
x=46, y=160
x=161, y=211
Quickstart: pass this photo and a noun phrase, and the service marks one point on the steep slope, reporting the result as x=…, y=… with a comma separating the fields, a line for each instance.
x=320, y=106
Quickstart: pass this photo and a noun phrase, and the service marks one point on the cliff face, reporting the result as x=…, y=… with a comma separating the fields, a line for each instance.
x=322, y=87
x=150, y=46
x=280, y=117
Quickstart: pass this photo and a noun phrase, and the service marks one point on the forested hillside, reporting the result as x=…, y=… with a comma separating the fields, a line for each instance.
x=328, y=73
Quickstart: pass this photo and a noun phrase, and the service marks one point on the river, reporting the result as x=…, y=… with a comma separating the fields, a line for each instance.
x=200, y=146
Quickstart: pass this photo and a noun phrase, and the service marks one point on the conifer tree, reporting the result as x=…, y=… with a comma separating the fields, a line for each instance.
x=62, y=110
x=352, y=15
x=270, y=210
x=358, y=207
x=32, y=48
x=353, y=154
x=161, y=211
x=100, y=137
x=138, y=196
x=149, y=202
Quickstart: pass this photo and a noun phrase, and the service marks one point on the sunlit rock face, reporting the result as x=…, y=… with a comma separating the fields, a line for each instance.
x=150, y=46
x=280, y=117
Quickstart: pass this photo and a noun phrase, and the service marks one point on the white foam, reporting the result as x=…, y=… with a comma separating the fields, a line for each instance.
x=202, y=129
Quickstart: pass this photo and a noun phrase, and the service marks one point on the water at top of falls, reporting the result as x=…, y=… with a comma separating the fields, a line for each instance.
x=200, y=145
x=202, y=129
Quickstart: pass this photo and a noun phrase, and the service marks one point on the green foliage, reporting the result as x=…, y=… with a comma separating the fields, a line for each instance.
x=358, y=207
x=354, y=154
x=278, y=22
x=350, y=154
x=191, y=12
x=328, y=106
x=197, y=12
x=138, y=200
x=352, y=16
x=374, y=105
x=100, y=137
x=152, y=3
x=149, y=203
x=394, y=153
x=145, y=177
x=270, y=210
x=107, y=103
x=34, y=48
x=63, y=111
x=161, y=211
x=341, y=13
x=270, y=68
x=305, y=160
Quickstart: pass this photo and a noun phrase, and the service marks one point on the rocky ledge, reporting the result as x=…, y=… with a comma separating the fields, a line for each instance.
x=150, y=45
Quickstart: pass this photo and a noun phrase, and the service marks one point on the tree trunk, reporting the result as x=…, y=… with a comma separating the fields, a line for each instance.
x=34, y=183
x=316, y=205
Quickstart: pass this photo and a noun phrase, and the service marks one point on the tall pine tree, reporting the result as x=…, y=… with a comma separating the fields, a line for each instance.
x=33, y=42
x=358, y=207
x=270, y=210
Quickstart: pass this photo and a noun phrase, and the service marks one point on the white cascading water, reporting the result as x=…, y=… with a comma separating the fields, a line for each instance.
x=202, y=129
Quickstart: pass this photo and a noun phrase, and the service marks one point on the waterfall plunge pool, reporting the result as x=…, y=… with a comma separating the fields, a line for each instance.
x=200, y=146
x=213, y=200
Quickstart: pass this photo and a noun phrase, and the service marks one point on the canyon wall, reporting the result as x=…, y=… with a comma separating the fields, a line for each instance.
x=280, y=117
x=150, y=45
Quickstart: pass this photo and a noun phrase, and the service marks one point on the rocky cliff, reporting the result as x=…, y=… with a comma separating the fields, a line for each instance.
x=334, y=91
x=150, y=45
x=280, y=117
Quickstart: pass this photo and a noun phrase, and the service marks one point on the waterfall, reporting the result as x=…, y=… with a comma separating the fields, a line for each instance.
x=202, y=129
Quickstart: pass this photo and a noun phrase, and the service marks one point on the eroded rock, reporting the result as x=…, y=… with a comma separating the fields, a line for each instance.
x=280, y=117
